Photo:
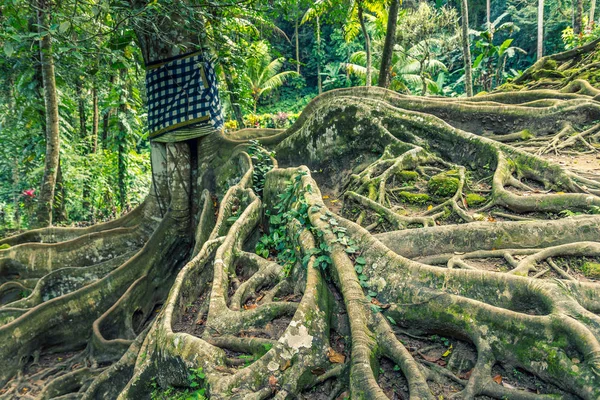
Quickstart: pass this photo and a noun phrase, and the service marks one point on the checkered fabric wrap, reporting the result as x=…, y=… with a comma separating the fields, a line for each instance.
x=182, y=92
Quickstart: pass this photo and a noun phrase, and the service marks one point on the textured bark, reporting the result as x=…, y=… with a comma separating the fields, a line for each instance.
x=464, y=15
x=540, y=29
x=385, y=72
x=363, y=27
x=577, y=17
x=46, y=197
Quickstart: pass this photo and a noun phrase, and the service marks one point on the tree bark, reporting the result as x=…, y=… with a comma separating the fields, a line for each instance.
x=296, y=34
x=81, y=110
x=464, y=11
x=385, y=72
x=319, y=78
x=577, y=17
x=46, y=198
x=121, y=148
x=95, y=118
x=540, y=29
x=363, y=27
x=488, y=12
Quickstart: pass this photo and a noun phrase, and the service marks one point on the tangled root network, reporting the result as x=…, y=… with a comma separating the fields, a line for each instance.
x=385, y=246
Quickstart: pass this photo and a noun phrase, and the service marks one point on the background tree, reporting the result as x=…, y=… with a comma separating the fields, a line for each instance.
x=385, y=70
x=464, y=14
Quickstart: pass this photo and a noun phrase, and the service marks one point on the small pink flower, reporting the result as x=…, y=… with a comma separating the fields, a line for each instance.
x=29, y=193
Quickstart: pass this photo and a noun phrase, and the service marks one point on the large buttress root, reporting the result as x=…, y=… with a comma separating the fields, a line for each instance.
x=414, y=224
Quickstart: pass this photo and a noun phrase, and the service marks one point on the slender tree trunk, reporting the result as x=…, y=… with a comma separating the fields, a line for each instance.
x=540, y=30
x=592, y=17
x=95, y=118
x=296, y=34
x=121, y=148
x=385, y=72
x=319, y=78
x=577, y=16
x=46, y=197
x=363, y=27
x=464, y=12
x=81, y=110
x=488, y=14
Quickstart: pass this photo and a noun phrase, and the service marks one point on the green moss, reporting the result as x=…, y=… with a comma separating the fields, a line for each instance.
x=547, y=73
x=591, y=270
x=474, y=199
x=549, y=64
x=442, y=185
x=408, y=176
x=5, y=246
x=414, y=198
x=526, y=134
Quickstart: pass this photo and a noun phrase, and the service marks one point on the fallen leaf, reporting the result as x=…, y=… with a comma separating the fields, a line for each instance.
x=335, y=357
x=333, y=201
x=497, y=379
x=286, y=365
x=318, y=371
x=447, y=352
x=466, y=375
x=325, y=197
x=272, y=381
x=491, y=219
x=260, y=297
x=429, y=207
x=249, y=306
x=379, y=304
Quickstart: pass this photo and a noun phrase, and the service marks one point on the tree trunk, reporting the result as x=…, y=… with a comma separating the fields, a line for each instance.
x=540, y=30
x=363, y=27
x=46, y=197
x=464, y=12
x=592, y=17
x=296, y=34
x=81, y=111
x=121, y=148
x=577, y=16
x=319, y=78
x=385, y=72
x=95, y=118
x=488, y=12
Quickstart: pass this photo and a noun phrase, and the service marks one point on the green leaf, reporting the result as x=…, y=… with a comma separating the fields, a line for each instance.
x=62, y=28
x=361, y=260
x=8, y=49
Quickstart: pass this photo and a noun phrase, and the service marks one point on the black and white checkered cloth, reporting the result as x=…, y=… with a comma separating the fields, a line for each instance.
x=182, y=92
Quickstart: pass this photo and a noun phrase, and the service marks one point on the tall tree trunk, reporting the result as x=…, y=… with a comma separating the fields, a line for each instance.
x=121, y=148
x=464, y=12
x=540, y=30
x=296, y=34
x=385, y=72
x=319, y=78
x=46, y=197
x=363, y=27
x=592, y=17
x=81, y=110
x=577, y=16
x=95, y=117
x=488, y=14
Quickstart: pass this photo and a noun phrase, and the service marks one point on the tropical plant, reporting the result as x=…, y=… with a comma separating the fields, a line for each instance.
x=262, y=72
x=490, y=60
